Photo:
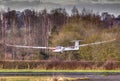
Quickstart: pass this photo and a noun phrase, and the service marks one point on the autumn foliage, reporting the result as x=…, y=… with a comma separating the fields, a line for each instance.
x=60, y=65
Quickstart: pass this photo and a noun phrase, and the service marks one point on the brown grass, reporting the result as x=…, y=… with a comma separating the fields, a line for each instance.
x=59, y=65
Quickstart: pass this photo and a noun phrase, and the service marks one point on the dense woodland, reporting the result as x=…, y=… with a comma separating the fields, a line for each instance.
x=57, y=27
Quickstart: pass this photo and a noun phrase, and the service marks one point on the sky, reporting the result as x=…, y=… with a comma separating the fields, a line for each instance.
x=98, y=6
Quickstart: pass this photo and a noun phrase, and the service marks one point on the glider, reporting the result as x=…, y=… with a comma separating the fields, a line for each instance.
x=61, y=48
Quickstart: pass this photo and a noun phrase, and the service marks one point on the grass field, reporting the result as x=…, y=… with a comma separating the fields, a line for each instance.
x=46, y=78
x=22, y=78
x=34, y=70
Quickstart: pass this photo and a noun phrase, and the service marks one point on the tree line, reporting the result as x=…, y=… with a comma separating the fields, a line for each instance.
x=40, y=28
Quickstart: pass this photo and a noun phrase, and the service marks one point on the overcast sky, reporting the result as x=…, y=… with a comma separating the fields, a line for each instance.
x=111, y=6
x=66, y=1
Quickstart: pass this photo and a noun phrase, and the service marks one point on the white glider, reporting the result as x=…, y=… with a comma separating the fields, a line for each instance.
x=61, y=48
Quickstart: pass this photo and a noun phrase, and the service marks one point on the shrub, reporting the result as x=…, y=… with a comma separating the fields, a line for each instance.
x=109, y=65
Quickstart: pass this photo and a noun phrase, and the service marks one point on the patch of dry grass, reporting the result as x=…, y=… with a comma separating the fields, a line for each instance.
x=53, y=78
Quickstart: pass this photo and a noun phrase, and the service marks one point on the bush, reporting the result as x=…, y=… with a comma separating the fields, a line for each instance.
x=109, y=65
x=56, y=64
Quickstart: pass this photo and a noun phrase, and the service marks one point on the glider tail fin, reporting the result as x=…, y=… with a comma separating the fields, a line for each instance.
x=76, y=46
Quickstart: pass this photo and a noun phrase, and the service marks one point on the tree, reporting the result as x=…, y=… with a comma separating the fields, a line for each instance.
x=75, y=11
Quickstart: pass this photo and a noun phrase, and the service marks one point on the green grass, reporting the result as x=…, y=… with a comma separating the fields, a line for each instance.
x=34, y=70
